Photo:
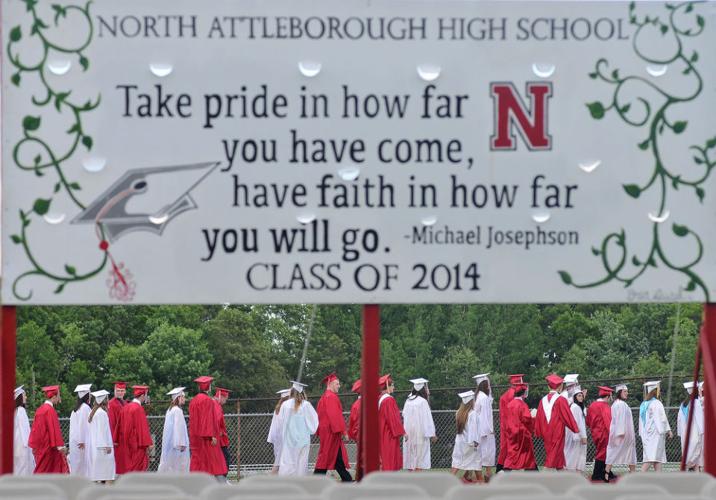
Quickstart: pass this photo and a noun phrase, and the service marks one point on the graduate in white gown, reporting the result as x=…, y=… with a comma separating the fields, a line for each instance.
x=486, y=423
x=275, y=434
x=575, y=443
x=621, y=449
x=419, y=427
x=175, y=455
x=100, y=446
x=466, y=454
x=79, y=431
x=653, y=428
x=23, y=462
x=695, y=456
x=300, y=422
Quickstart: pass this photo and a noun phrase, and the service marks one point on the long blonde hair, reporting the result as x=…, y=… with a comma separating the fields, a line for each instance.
x=279, y=403
x=462, y=414
x=103, y=405
x=300, y=397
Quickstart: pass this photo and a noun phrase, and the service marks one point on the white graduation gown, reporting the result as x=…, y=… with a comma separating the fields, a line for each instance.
x=298, y=426
x=621, y=449
x=275, y=436
x=652, y=430
x=575, y=453
x=23, y=461
x=695, y=456
x=100, y=464
x=79, y=433
x=486, y=426
x=419, y=428
x=174, y=436
x=465, y=456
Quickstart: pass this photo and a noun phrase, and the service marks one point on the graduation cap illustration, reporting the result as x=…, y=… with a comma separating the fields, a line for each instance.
x=146, y=199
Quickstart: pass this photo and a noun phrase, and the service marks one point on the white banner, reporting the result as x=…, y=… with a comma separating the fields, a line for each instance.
x=364, y=151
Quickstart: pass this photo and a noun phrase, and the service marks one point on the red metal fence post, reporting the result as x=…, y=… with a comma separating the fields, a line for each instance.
x=370, y=365
x=8, y=346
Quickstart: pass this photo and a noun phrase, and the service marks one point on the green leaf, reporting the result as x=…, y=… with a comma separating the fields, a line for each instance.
x=60, y=288
x=635, y=261
x=675, y=181
x=686, y=71
x=593, y=75
x=711, y=143
x=30, y=123
x=664, y=29
x=651, y=262
x=84, y=62
x=57, y=187
x=689, y=8
x=679, y=127
x=632, y=190
x=694, y=56
x=87, y=141
x=698, y=160
x=624, y=109
x=631, y=6
x=70, y=270
x=680, y=230
x=596, y=251
x=16, y=239
x=691, y=286
x=15, y=34
x=74, y=129
x=15, y=79
x=60, y=99
x=37, y=160
x=644, y=145
x=75, y=186
x=41, y=206
x=615, y=74
x=38, y=172
x=596, y=109
x=700, y=21
x=30, y=4
x=700, y=193
x=566, y=278
x=632, y=19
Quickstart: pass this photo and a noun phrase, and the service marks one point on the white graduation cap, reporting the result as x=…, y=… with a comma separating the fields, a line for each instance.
x=571, y=379
x=176, y=392
x=145, y=199
x=100, y=395
x=620, y=387
x=284, y=392
x=651, y=385
x=298, y=386
x=18, y=391
x=467, y=396
x=418, y=383
x=82, y=390
x=689, y=386
x=480, y=378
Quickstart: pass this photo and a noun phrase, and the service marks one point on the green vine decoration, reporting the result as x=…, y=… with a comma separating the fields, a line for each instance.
x=48, y=159
x=654, y=120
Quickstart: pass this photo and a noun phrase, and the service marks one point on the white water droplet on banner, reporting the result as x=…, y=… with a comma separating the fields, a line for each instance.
x=543, y=70
x=429, y=72
x=94, y=163
x=51, y=218
x=349, y=173
x=659, y=218
x=306, y=218
x=59, y=66
x=657, y=70
x=429, y=220
x=309, y=69
x=541, y=217
x=158, y=219
x=161, y=69
x=589, y=165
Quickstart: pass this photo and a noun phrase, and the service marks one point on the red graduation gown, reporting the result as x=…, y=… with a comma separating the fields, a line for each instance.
x=331, y=428
x=203, y=426
x=44, y=439
x=519, y=450
x=599, y=418
x=505, y=399
x=354, y=421
x=552, y=433
x=391, y=430
x=135, y=437
x=221, y=424
x=115, y=414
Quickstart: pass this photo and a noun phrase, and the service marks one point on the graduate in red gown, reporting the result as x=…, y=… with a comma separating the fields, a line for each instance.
x=45, y=439
x=220, y=398
x=553, y=415
x=134, y=431
x=116, y=405
x=354, y=429
x=519, y=425
x=505, y=399
x=390, y=426
x=204, y=432
x=599, y=418
x=331, y=431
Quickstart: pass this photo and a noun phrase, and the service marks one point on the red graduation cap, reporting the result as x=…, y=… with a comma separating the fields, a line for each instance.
x=138, y=390
x=554, y=380
x=383, y=381
x=521, y=387
x=204, y=382
x=220, y=391
x=51, y=390
x=516, y=379
x=329, y=378
x=120, y=385
x=356, y=386
x=605, y=391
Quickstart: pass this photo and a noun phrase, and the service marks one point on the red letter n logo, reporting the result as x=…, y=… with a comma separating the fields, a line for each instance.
x=511, y=113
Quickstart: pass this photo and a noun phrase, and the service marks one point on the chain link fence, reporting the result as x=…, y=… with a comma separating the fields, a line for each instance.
x=251, y=454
